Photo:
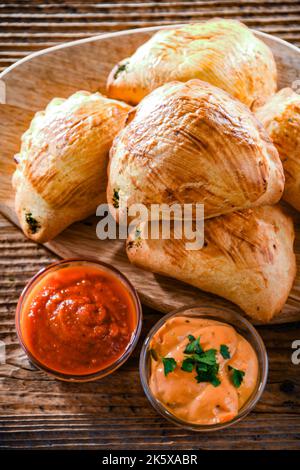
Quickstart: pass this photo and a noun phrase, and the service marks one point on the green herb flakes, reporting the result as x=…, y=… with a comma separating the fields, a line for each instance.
x=208, y=357
x=193, y=346
x=121, y=68
x=203, y=362
x=187, y=365
x=116, y=198
x=32, y=223
x=169, y=365
x=224, y=350
x=237, y=376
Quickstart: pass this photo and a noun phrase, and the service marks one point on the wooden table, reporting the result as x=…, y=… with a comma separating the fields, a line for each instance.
x=38, y=412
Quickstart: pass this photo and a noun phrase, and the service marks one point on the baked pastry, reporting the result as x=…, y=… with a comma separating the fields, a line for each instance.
x=222, y=52
x=61, y=173
x=247, y=258
x=281, y=117
x=192, y=143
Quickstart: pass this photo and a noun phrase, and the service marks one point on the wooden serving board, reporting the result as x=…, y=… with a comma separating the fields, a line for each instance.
x=28, y=85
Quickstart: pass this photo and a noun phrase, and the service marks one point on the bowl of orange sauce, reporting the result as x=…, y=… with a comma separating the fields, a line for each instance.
x=79, y=319
x=203, y=368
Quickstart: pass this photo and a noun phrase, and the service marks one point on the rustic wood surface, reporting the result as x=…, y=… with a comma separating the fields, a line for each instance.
x=38, y=412
x=85, y=64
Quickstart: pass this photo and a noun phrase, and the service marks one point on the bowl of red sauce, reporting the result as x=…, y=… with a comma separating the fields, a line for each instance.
x=79, y=319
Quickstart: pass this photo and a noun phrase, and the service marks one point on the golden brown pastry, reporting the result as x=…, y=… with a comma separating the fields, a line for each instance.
x=247, y=258
x=61, y=168
x=281, y=117
x=192, y=143
x=222, y=52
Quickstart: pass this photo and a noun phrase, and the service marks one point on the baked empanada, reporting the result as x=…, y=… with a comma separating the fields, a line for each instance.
x=61, y=173
x=281, y=117
x=247, y=258
x=193, y=143
x=222, y=52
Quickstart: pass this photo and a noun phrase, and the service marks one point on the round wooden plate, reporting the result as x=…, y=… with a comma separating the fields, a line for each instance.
x=28, y=85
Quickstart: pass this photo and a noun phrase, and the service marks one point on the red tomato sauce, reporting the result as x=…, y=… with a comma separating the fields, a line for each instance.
x=78, y=320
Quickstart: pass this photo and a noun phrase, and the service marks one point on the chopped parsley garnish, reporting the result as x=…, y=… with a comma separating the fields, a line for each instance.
x=169, y=365
x=208, y=357
x=224, y=350
x=193, y=346
x=116, y=198
x=215, y=381
x=204, y=363
x=121, y=68
x=207, y=371
x=187, y=364
x=202, y=367
x=237, y=376
x=32, y=222
x=208, y=375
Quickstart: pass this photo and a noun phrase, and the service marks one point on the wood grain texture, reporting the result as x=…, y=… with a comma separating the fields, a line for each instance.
x=85, y=64
x=30, y=26
x=38, y=412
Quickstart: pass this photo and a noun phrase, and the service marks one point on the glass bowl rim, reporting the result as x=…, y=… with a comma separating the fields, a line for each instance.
x=251, y=402
x=134, y=337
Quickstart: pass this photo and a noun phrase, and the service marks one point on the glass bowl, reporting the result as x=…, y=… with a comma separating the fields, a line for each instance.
x=242, y=326
x=103, y=267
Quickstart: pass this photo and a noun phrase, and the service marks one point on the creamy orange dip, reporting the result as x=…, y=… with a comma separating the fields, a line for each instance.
x=180, y=392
